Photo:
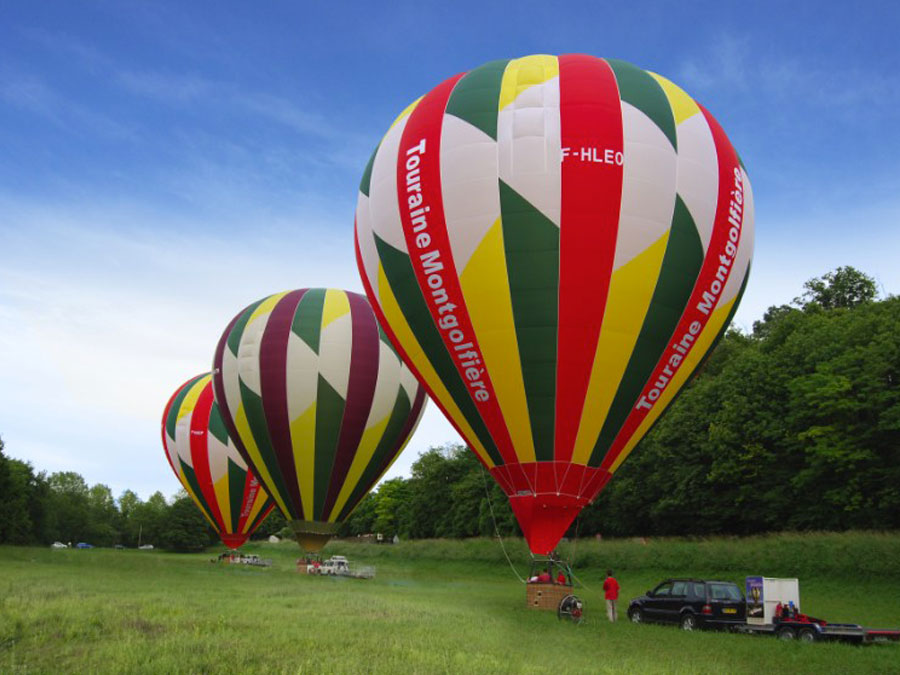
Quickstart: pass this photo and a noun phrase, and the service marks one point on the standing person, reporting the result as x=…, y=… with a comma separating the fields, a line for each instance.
x=611, y=589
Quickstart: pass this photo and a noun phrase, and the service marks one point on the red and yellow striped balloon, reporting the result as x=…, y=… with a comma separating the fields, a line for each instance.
x=554, y=244
x=208, y=464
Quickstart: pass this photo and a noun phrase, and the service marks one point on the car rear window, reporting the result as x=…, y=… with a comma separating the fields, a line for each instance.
x=724, y=592
x=699, y=591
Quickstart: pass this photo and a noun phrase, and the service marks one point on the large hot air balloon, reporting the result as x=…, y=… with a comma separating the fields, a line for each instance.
x=319, y=400
x=554, y=244
x=209, y=467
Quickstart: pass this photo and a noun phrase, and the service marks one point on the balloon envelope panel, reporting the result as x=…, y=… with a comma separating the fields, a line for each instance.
x=554, y=244
x=208, y=464
x=319, y=400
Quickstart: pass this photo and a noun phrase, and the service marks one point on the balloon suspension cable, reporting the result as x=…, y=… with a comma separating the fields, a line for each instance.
x=574, y=549
x=497, y=530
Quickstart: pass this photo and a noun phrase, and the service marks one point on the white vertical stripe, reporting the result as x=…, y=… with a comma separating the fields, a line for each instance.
x=648, y=185
x=528, y=136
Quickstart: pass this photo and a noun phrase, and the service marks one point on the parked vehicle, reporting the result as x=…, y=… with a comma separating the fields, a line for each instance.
x=58, y=544
x=691, y=603
x=82, y=544
x=146, y=547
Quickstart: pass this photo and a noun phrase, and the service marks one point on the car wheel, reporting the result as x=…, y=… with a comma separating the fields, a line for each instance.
x=786, y=633
x=688, y=622
x=807, y=635
x=636, y=615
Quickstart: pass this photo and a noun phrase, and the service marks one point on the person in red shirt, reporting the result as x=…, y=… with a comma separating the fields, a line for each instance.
x=561, y=578
x=544, y=577
x=611, y=590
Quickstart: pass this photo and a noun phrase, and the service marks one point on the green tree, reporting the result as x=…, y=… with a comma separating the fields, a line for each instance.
x=185, y=528
x=844, y=287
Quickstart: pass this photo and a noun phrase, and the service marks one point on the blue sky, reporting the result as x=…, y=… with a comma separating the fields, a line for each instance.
x=164, y=164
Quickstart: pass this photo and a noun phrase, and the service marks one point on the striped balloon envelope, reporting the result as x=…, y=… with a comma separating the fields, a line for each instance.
x=319, y=400
x=554, y=244
x=208, y=465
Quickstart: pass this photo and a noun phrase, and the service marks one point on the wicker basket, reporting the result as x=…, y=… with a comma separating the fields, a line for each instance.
x=546, y=596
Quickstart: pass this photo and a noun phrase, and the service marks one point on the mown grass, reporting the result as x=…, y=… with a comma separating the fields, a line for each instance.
x=440, y=606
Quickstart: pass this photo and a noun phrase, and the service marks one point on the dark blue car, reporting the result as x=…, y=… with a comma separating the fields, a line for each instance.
x=691, y=603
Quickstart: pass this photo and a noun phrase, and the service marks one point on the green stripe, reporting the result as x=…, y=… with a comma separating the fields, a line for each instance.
x=387, y=444
x=256, y=419
x=234, y=337
x=329, y=415
x=199, y=497
x=531, y=242
x=307, y=322
x=367, y=174
x=680, y=268
x=402, y=279
x=640, y=89
x=237, y=479
x=476, y=96
x=172, y=417
x=217, y=425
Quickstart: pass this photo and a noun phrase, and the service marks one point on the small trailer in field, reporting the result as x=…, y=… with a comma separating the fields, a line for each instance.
x=773, y=608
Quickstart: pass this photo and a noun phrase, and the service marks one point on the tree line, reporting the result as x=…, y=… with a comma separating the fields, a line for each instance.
x=36, y=508
x=794, y=426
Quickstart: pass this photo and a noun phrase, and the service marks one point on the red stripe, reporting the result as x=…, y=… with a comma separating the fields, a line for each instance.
x=218, y=384
x=692, y=316
x=252, y=492
x=382, y=320
x=591, y=130
x=273, y=347
x=166, y=417
x=199, y=437
x=365, y=351
x=420, y=150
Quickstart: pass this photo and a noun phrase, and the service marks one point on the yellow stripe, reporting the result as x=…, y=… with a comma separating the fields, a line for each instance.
x=255, y=509
x=405, y=337
x=704, y=341
x=187, y=488
x=221, y=488
x=683, y=106
x=485, y=286
x=265, y=307
x=407, y=111
x=630, y=290
x=303, y=442
x=367, y=446
x=243, y=429
x=189, y=402
x=336, y=305
x=520, y=74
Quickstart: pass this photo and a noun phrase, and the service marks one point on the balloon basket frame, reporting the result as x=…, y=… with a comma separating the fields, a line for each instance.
x=548, y=596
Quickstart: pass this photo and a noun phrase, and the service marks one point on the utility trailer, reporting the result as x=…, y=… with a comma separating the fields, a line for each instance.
x=773, y=608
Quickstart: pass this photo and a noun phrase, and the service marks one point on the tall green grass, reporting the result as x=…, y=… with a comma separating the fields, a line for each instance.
x=856, y=554
x=442, y=606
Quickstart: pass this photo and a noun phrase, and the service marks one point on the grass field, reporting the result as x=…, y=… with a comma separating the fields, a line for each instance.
x=436, y=606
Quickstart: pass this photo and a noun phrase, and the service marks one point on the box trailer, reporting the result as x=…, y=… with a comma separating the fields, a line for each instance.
x=773, y=608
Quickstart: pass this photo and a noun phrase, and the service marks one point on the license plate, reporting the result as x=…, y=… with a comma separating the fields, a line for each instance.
x=729, y=610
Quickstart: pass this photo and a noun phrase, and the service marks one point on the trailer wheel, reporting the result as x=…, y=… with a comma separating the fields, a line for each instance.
x=688, y=622
x=807, y=635
x=786, y=633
